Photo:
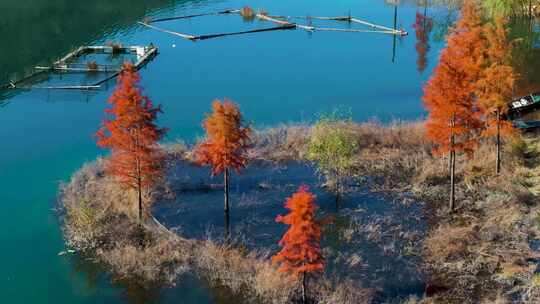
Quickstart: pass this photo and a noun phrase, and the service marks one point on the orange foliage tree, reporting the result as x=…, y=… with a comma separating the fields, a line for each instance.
x=422, y=27
x=132, y=135
x=497, y=84
x=301, y=252
x=227, y=140
x=454, y=118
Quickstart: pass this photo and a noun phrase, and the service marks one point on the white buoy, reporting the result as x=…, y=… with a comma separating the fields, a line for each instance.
x=174, y=45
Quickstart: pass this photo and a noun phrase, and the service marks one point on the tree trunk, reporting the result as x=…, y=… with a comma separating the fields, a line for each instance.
x=452, y=181
x=139, y=188
x=304, y=298
x=498, y=160
x=449, y=162
x=452, y=166
x=141, y=233
x=226, y=183
x=227, y=231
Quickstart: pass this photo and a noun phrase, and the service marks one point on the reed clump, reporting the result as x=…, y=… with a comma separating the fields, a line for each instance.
x=117, y=48
x=92, y=66
x=247, y=13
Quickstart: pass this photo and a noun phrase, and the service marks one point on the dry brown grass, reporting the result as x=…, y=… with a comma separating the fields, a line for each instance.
x=283, y=143
x=397, y=134
x=393, y=156
x=495, y=299
x=90, y=184
x=449, y=243
x=511, y=271
x=463, y=250
x=247, y=273
x=100, y=220
x=342, y=292
x=484, y=246
x=161, y=259
x=252, y=275
x=424, y=300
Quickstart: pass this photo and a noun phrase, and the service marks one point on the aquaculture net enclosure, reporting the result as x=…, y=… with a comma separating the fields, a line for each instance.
x=220, y=24
x=86, y=68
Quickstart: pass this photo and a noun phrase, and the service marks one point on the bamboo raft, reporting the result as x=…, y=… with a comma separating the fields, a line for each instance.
x=144, y=55
x=282, y=22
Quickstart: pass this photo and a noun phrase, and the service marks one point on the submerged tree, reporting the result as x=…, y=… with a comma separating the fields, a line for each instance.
x=333, y=147
x=454, y=119
x=496, y=87
x=226, y=143
x=132, y=135
x=301, y=251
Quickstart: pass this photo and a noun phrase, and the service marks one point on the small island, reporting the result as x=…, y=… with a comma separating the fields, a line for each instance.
x=307, y=213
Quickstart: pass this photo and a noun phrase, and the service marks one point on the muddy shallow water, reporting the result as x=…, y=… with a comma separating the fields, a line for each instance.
x=365, y=236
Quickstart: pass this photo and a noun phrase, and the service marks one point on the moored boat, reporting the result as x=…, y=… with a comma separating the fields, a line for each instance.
x=524, y=105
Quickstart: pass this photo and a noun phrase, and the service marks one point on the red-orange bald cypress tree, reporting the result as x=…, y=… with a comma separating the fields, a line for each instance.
x=454, y=118
x=301, y=251
x=132, y=135
x=226, y=143
x=497, y=84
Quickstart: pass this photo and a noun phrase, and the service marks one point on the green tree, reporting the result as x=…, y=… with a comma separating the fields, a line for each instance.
x=334, y=147
x=507, y=8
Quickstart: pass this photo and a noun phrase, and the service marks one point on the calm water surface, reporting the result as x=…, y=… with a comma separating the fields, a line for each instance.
x=276, y=77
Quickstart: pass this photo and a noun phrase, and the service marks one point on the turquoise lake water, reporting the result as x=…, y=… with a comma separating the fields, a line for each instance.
x=275, y=77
